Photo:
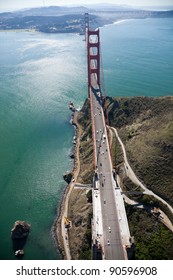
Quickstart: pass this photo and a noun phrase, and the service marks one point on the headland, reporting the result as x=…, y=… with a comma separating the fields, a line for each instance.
x=145, y=127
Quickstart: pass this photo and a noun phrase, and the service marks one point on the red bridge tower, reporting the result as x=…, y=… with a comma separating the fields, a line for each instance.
x=93, y=49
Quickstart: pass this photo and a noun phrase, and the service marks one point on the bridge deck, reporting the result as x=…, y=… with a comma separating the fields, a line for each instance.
x=113, y=236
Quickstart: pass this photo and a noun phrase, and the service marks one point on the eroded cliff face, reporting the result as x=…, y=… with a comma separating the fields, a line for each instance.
x=146, y=128
x=86, y=145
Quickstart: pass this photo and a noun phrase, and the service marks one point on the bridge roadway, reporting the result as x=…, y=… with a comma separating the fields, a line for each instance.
x=112, y=242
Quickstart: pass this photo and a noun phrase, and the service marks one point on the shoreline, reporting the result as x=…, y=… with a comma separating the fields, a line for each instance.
x=63, y=207
x=118, y=21
x=34, y=31
x=19, y=30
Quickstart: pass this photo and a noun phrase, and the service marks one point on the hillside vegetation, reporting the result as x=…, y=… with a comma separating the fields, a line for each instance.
x=86, y=146
x=153, y=241
x=146, y=128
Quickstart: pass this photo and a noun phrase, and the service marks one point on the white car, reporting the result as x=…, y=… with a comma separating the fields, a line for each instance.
x=108, y=242
x=109, y=229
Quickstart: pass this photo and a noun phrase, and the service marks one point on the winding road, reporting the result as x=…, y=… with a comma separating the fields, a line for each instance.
x=130, y=173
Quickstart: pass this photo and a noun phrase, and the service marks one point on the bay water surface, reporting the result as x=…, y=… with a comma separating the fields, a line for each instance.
x=39, y=75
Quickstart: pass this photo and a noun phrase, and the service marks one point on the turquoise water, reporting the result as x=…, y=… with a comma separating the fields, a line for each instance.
x=137, y=57
x=39, y=75
x=38, y=78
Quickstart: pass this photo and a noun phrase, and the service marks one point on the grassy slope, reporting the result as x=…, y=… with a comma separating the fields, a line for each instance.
x=146, y=128
x=86, y=146
x=152, y=239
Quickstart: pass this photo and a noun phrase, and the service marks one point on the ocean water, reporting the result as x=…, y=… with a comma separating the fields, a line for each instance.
x=137, y=57
x=39, y=75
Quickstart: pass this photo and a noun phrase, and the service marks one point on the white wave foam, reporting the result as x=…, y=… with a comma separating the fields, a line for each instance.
x=122, y=20
x=117, y=22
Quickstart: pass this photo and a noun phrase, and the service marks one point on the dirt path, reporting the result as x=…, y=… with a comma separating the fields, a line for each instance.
x=130, y=173
x=163, y=217
x=64, y=208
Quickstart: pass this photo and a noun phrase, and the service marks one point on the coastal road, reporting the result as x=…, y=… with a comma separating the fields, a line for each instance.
x=113, y=249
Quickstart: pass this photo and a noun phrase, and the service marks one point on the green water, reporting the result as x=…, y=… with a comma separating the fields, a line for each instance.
x=137, y=57
x=39, y=77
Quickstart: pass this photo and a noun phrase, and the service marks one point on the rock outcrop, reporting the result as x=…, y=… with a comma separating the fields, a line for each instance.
x=20, y=230
x=68, y=177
